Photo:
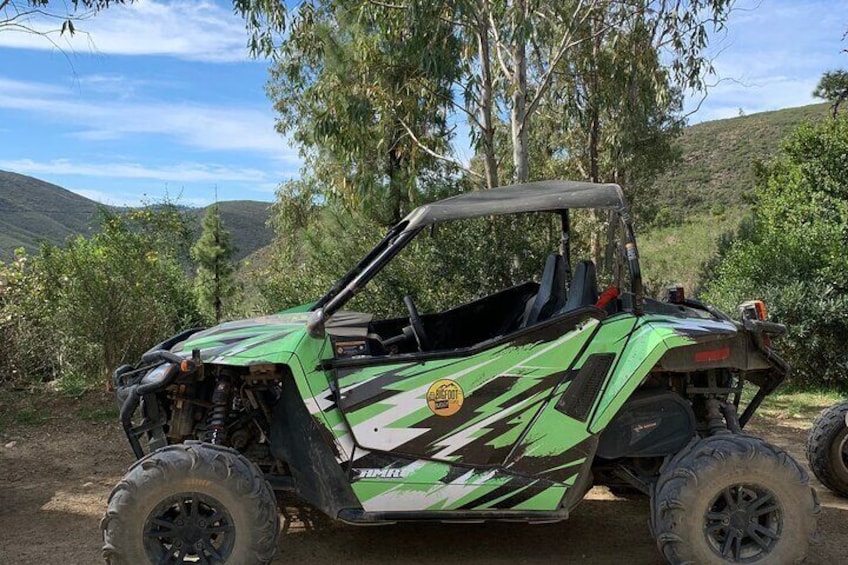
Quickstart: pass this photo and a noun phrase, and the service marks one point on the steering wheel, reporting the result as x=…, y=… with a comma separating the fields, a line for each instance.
x=415, y=323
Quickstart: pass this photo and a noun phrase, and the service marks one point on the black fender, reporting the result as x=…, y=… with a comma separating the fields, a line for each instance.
x=299, y=441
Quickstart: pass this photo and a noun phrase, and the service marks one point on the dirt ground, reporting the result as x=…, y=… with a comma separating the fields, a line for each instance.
x=55, y=478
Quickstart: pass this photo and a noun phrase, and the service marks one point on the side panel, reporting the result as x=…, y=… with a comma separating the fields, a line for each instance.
x=559, y=444
x=652, y=337
x=469, y=410
x=410, y=458
x=384, y=482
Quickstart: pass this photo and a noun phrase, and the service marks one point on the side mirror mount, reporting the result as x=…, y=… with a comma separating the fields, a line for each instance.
x=315, y=324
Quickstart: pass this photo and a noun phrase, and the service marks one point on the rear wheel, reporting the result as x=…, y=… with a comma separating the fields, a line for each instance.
x=191, y=502
x=733, y=499
x=827, y=448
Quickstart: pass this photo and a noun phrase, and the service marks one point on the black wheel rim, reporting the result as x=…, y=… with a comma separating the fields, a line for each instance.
x=743, y=523
x=843, y=452
x=189, y=528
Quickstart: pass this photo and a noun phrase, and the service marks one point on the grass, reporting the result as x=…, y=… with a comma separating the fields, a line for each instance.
x=97, y=414
x=798, y=405
x=678, y=254
x=39, y=405
x=21, y=408
x=31, y=416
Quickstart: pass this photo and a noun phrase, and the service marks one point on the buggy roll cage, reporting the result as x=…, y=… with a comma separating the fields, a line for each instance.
x=544, y=196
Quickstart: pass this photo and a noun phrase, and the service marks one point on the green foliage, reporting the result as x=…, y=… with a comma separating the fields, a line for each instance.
x=833, y=87
x=794, y=257
x=455, y=263
x=79, y=311
x=677, y=253
x=215, y=283
x=363, y=88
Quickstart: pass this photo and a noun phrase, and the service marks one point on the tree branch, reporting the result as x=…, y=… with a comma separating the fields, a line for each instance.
x=435, y=155
x=564, y=45
x=499, y=46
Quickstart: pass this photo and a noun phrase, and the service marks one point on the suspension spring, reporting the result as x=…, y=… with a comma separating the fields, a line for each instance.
x=216, y=421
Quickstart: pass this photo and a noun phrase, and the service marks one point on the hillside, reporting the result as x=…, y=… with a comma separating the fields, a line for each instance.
x=246, y=220
x=708, y=192
x=716, y=165
x=34, y=211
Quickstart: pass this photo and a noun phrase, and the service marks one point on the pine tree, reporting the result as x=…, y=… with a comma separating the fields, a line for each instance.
x=213, y=252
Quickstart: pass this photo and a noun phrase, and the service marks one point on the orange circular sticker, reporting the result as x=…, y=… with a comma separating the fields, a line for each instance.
x=445, y=397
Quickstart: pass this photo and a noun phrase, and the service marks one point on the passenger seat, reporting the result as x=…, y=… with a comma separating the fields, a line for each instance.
x=584, y=287
x=551, y=296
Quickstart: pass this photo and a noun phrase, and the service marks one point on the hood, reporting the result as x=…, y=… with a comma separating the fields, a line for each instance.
x=266, y=339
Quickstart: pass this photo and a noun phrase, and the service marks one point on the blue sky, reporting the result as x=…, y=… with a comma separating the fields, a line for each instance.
x=160, y=97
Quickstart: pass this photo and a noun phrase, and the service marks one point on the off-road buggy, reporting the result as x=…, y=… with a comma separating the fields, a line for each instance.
x=827, y=448
x=509, y=407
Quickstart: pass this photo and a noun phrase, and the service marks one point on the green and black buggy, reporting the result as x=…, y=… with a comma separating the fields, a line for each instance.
x=509, y=407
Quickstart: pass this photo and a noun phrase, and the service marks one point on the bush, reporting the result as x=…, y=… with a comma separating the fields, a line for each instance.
x=79, y=311
x=793, y=255
x=457, y=262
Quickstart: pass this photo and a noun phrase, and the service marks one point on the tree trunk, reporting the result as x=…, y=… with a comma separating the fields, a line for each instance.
x=520, y=152
x=395, y=196
x=594, y=140
x=490, y=163
x=217, y=299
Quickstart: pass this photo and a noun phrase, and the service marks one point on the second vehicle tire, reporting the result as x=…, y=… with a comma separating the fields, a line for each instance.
x=827, y=448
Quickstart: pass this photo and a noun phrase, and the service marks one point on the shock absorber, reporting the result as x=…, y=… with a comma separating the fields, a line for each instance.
x=216, y=421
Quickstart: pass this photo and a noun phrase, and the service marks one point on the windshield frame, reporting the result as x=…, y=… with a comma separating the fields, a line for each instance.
x=400, y=235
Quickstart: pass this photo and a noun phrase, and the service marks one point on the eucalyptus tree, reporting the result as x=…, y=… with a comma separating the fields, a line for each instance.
x=510, y=57
x=27, y=16
x=364, y=90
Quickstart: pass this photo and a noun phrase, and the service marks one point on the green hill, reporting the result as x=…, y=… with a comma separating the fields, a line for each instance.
x=34, y=211
x=707, y=193
x=716, y=164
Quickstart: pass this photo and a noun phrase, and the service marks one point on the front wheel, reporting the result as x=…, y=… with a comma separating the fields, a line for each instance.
x=191, y=502
x=827, y=448
x=733, y=499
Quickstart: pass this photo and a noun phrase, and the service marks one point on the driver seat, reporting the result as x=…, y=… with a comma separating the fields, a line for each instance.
x=551, y=296
x=584, y=287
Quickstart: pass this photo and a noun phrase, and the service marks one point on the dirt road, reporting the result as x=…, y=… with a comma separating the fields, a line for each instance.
x=54, y=480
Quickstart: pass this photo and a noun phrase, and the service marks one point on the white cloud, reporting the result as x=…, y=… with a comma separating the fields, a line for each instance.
x=183, y=172
x=193, y=31
x=772, y=55
x=205, y=127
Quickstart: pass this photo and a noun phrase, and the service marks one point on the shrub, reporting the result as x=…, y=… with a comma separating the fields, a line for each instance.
x=79, y=311
x=793, y=255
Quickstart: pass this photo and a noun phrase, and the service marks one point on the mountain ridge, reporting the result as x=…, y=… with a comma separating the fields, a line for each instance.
x=33, y=211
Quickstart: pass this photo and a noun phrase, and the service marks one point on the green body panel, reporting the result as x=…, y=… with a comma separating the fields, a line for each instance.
x=507, y=447
x=652, y=337
x=266, y=339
